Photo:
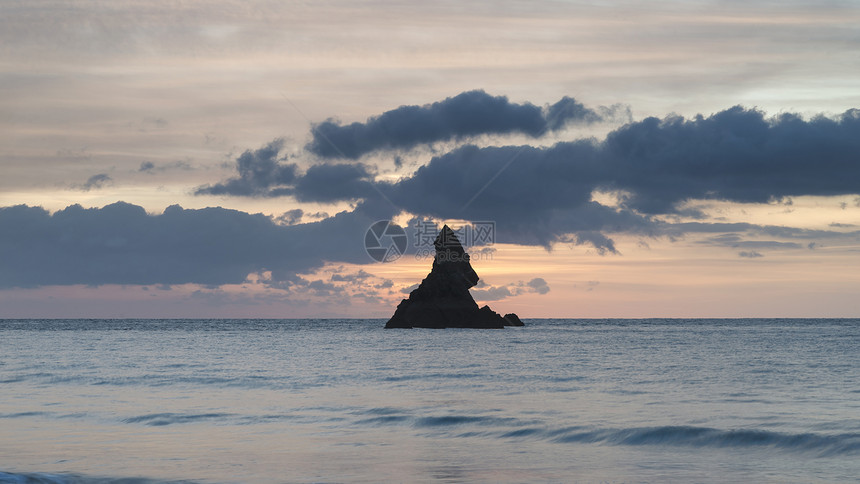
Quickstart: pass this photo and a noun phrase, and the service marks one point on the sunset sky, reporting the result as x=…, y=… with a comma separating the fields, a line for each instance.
x=226, y=159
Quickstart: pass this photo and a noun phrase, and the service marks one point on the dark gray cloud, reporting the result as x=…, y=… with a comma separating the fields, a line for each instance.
x=259, y=171
x=290, y=217
x=334, y=182
x=568, y=111
x=539, y=285
x=262, y=173
x=536, y=195
x=737, y=155
x=468, y=114
x=122, y=244
x=151, y=168
x=359, y=276
x=750, y=254
x=539, y=196
x=95, y=182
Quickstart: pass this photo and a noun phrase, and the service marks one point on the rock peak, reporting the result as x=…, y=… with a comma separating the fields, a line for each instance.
x=447, y=241
x=452, y=259
x=442, y=300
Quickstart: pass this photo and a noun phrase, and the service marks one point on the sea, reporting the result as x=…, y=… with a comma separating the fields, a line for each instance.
x=139, y=401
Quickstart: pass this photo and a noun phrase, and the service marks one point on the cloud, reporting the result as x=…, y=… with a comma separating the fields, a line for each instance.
x=492, y=293
x=409, y=289
x=730, y=232
x=736, y=241
x=539, y=285
x=262, y=174
x=736, y=155
x=535, y=196
x=290, y=217
x=259, y=171
x=543, y=195
x=122, y=244
x=94, y=182
x=333, y=182
x=569, y=110
x=151, y=168
x=340, y=288
x=767, y=244
x=484, y=292
x=385, y=284
x=359, y=276
x=465, y=115
x=750, y=254
x=599, y=241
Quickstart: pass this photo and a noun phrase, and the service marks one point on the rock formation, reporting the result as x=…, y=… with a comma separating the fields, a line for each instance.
x=443, y=299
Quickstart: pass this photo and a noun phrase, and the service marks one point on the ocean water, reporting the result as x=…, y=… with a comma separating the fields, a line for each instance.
x=216, y=401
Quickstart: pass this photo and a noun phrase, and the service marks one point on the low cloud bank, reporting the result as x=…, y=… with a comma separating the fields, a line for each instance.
x=122, y=244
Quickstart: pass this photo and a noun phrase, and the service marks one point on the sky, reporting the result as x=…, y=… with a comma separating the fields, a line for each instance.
x=600, y=159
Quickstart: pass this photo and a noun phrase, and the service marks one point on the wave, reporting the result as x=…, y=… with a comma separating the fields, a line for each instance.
x=23, y=414
x=47, y=478
x=157, y=380
x=162, y=419
x=465, y=426
x=687, y=436
x=430, y=376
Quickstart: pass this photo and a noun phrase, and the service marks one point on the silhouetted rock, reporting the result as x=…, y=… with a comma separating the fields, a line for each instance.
x=443, y=299
x=512, y=319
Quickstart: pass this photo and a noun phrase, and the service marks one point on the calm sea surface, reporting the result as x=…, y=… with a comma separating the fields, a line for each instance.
x=214, y=401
